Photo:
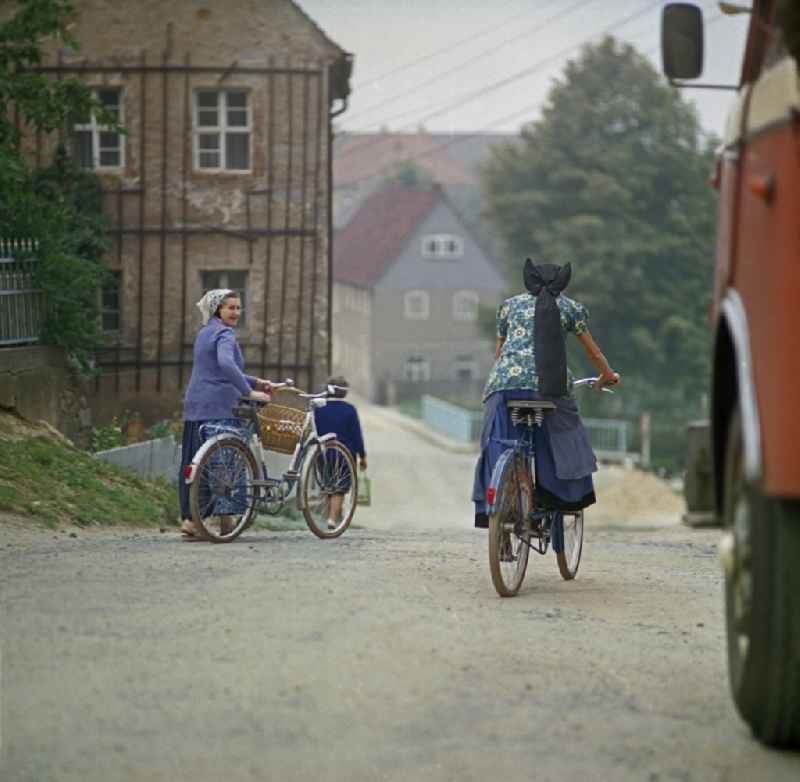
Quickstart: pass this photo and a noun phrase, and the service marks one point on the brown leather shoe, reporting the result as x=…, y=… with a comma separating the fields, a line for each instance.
x=226, y=525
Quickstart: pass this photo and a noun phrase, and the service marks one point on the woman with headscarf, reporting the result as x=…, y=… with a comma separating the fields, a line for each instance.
x=216, y=385
x=531, y=363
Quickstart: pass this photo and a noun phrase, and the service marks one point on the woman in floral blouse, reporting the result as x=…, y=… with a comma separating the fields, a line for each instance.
x=531, y=364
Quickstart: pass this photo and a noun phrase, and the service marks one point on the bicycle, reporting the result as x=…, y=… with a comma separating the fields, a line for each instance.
x=516, y=525
x=229, y=482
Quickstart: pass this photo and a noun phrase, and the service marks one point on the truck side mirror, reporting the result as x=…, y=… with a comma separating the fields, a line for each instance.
x=682, y=41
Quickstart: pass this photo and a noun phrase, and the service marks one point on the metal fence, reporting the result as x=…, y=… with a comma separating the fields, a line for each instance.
x=21, y=303
x=609, y=438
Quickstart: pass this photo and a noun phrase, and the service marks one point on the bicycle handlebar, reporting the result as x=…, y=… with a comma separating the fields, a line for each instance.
x=590, y=382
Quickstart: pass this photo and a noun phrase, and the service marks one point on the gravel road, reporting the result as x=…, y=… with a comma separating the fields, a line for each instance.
x=383, y=655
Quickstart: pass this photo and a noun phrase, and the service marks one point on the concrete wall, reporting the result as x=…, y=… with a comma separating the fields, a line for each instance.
x=159, y=458
x=37, y=383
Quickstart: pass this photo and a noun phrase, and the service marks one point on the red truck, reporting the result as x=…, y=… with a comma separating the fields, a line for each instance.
x=755, y=378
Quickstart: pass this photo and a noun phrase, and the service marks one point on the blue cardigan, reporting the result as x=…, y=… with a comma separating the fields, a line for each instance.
x=341, y=418
x=218, y=379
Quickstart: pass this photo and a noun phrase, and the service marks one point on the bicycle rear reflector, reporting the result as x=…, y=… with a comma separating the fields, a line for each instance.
x=187, y=472
x=490, y=495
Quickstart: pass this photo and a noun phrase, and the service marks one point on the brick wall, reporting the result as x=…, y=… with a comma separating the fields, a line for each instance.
x=171, y=222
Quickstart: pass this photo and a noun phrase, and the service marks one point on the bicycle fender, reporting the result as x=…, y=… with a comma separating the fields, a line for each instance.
x=497, y=475
x=308, y=457
x=201, y=451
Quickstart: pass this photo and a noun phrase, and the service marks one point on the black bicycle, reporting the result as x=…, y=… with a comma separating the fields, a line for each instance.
x=516, y=524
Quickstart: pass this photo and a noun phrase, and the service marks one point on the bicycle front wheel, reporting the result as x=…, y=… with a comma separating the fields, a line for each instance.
x=222, y=496
x=568, y=543
x=328, y=489
x=508, y=539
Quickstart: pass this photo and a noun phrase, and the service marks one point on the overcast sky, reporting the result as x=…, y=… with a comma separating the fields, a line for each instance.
x=421, y=62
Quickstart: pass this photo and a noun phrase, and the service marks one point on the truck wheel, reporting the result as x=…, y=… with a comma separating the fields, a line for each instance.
x=760, y=552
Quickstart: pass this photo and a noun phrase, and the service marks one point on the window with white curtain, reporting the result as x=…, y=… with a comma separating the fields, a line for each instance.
x=417, y=369
x=465, y=306
x=442, y=246
x=416, y=305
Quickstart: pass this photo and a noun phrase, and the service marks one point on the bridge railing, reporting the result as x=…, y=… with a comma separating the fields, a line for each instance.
x=609, y=437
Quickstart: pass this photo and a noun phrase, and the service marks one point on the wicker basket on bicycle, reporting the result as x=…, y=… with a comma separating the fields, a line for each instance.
x=281, y=423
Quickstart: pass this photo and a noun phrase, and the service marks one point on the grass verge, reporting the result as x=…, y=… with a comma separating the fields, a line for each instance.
x=55, y=484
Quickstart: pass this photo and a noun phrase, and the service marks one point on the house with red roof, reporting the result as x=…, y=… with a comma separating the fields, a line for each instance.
x=409, y=281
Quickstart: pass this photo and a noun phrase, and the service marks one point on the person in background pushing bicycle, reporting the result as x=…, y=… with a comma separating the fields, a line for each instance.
x=341, y=418
x=531, y=363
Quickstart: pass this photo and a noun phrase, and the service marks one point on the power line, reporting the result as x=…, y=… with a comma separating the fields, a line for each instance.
x=479, y=93
x=445, y=50
x=464, y=137
x=485, y=53
x=509, y=79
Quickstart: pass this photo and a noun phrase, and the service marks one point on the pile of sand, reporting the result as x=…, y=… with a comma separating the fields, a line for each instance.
x=630, y=496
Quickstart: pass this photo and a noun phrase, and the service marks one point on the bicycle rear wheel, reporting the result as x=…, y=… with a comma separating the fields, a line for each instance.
x=328, y=490
x=508, y=540
x=568, y=542
x=222, y=496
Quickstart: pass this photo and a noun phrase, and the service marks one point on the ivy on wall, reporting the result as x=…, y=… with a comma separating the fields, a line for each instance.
x=60, y=206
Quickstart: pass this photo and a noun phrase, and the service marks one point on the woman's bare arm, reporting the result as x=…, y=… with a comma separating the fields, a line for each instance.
x=498, y=347
x=608, y=377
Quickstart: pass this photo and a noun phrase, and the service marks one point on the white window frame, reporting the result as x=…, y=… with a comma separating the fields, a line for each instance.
x=95, y=129
x=416, y=305
x=460, y=312
x=442, y=247
x=221, y=129
x=417, y=369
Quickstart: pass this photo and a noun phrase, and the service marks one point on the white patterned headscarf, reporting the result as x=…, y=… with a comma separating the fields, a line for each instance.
x=210, y=302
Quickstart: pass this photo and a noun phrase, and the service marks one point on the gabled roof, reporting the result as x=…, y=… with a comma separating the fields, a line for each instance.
x=368, y=245
x=316, y=27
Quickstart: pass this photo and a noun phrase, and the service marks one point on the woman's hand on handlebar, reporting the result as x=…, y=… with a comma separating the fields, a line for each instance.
x=607, y=379
x=263, y=385
x=259, y=396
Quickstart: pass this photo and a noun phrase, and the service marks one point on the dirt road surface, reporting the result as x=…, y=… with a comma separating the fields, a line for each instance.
x=383, y=655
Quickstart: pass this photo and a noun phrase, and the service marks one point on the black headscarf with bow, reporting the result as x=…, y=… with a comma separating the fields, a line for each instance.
x=545, y=282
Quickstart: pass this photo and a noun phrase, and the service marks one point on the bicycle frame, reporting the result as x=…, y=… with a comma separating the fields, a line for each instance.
x=526, y=450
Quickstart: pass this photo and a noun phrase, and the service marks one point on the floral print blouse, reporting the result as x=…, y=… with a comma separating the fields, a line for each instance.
x=515, y=369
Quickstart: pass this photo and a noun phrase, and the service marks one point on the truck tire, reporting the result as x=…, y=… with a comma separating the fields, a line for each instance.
x=787, y=16
x=762, y=601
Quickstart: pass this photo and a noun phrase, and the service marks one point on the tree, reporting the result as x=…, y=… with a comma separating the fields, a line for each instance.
x=410, y=176
x=58, y=206
x=613, y=178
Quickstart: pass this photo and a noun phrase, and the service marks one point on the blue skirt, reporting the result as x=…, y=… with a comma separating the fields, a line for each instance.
x=193, y=438
x=564, y=457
